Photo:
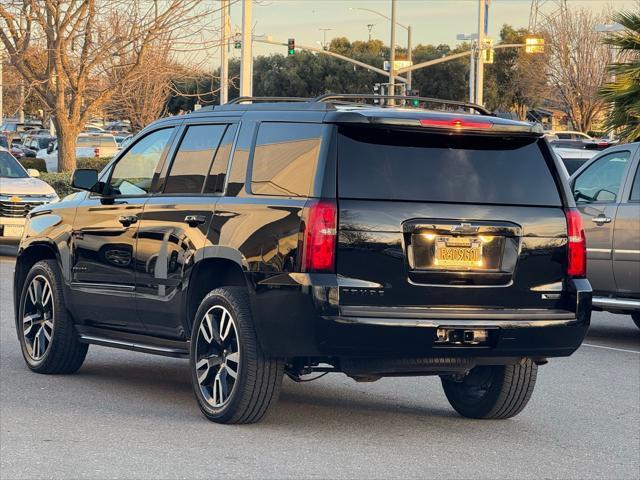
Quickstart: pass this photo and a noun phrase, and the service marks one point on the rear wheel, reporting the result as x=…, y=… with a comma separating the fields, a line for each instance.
x=233, y=380
x=46, y=331
x=636, y=318
x=492, y=392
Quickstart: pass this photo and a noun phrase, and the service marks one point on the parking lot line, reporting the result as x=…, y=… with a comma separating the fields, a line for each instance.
x=610, y=348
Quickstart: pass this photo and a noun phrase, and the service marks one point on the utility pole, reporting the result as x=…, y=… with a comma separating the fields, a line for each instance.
x=224, y=52
x=246, y=82
x=482, y=25
x=472, y=72
x=392, y=69
x=324, y=37
x=409, y=57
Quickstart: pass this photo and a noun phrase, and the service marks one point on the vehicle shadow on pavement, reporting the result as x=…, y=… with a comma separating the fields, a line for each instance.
x=625, y=335
x=162, y=387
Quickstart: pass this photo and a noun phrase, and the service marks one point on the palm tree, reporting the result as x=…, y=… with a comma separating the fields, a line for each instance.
x=623, y=91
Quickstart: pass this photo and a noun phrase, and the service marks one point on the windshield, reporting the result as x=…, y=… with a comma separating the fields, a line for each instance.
x=10, y=168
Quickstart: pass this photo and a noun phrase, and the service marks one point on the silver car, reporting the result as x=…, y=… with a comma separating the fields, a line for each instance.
x=607, y=193
x=19, y=193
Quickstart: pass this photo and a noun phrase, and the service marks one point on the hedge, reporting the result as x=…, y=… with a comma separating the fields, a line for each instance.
x=95, y=163
x=37, y=163
x=61, y=182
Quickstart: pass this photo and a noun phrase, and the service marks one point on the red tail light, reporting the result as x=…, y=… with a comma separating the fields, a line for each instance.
x=577, y=261
x=455, y=123
x=96, y=152
x=320, y=232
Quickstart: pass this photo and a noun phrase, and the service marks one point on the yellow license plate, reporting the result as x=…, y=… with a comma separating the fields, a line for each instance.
x=458, y=253
x=13, y=231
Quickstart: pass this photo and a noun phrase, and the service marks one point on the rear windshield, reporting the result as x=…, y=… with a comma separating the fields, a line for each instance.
x=385, y=164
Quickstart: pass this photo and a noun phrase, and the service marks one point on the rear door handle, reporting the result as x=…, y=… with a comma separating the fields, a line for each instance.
x=601, y=219
x=127, y=220
x=195, y=220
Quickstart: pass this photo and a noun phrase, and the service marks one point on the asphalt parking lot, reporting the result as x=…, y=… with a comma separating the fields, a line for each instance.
x=130, y=415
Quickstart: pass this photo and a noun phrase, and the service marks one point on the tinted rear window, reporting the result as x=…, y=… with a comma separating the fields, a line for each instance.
x=385, y=164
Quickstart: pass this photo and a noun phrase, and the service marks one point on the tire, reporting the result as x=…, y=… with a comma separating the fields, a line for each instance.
x=492, y=392
x=636, y=318
x=48, y=339
x=233, y=380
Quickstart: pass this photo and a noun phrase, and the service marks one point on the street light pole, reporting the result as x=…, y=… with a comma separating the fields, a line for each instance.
x=472, y=73
x=392, y=67
x=246, y=83
x=324, y=37
x=224, y=52
x=480, y=59
x=409, y=57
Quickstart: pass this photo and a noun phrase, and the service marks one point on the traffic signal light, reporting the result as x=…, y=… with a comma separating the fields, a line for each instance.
x=237, y=40
x=415, y=93
x=291, y=50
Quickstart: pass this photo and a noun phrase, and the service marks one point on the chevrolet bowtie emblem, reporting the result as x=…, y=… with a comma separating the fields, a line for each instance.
x=15, y=199
x=464, y=228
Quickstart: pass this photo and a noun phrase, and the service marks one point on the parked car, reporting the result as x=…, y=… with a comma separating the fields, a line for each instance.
x=20, y=192
x=32, y=144
x=13, y=130
x=87, y=146
x=573, y=158
x=316, y=236
x=607, y=193
x=580, y=140
x=122, y=140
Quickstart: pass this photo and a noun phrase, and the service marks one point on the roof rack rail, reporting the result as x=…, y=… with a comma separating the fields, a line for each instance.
x=328, y=97
x=239, y=100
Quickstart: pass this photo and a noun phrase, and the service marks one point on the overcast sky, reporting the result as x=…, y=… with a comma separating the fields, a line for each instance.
x=432, y=21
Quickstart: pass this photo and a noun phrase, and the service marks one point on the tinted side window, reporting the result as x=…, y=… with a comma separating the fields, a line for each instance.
x=133, y=174
x=601, y=181
x=635, y=189
x=193, y=159
x=284, y=160
x=218, y=171
x=384, y=164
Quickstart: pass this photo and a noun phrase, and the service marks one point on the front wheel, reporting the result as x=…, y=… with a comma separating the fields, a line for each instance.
x=234, y=381
x=492, y=392
x=47, y=335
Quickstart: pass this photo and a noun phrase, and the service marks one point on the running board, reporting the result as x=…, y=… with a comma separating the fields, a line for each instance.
x=617, y=303
x=137, y=346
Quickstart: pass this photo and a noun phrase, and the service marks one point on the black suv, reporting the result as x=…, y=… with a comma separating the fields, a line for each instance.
x=264, y=238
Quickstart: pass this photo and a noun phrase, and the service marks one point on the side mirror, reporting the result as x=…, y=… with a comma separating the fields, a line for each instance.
x=85, y=179
x=33, y=172
x=50, y=148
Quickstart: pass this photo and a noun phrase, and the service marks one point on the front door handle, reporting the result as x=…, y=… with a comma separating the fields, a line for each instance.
x=601, y=219
x=127, y=220
x=195, y=220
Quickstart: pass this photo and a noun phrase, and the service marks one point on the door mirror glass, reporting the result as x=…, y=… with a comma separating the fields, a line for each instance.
x=85, y=179
x=33, y=172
